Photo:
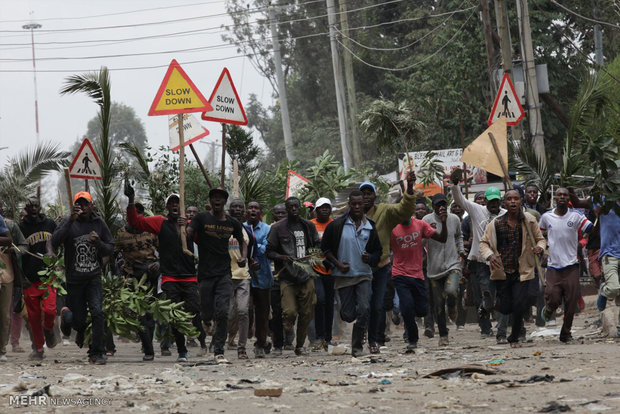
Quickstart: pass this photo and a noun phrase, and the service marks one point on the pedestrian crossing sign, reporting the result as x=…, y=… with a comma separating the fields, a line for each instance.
x=85, y=164
x=507, y=104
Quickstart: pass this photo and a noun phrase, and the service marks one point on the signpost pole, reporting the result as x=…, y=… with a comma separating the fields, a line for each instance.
x=69, y=192
x=182, y=184
x=86, y=188
x=463, y=145
x=223, y=154
x=202, y=168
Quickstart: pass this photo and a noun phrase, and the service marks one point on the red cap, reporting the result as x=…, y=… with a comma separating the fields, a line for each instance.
x=82, y=194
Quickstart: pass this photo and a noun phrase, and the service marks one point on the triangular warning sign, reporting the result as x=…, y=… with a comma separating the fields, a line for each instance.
x=507, y=104
x=192, y=130
x=178, y=94
x=295, y=183
x=85, y=164
x=480, y=152
x=226, y=104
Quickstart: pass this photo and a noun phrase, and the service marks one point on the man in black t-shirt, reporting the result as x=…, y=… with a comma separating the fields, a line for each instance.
x=211, y=231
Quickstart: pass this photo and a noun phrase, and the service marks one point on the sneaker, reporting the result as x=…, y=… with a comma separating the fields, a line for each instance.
x=267, y=348
x=460, y=327
x=110, y=352
x=501, y=340
x=601, y=302
x=219, y=359
x=396, y=319
x=51, y=340
x=374, y=348
x=567, y=339
x=318, y=346
x=301, y=351
x=36, y=355
x=488, y=334
x=277, y=351
x=259, y=352
x=148, y=357
x=545, y=314
x=241, y=354
x=97, y=359
x=429, y=333
x=444, y=341
x=3, y=358
x=182, y=357
x=166, y=352
x=357, y=352
x=65, y=327
x=18, y=349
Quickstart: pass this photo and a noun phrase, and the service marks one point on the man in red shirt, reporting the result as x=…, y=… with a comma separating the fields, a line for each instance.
x=407, y=274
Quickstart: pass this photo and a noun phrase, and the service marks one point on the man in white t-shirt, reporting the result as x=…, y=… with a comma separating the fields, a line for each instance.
x=563, y=227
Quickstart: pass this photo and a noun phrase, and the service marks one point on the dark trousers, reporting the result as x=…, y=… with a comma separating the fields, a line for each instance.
x=563, y=284
x=275, y=325
x=462, y=310
x=483, y=291
x=324, y=309
x=86, y=297
x=444, y=290
x=429, y=319
x=215, y=295
x=355, y=303
x=413, y=302
x=512, y=299
x=261, y=299
x=184, y=292
x=376, y=326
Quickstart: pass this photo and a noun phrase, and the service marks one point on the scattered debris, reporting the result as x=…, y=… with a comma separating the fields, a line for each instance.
x=268, y=392
x=554, y=407
x=466, y=370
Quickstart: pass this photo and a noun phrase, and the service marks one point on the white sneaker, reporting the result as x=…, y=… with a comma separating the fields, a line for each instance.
x=3, y=358
x=219, y=359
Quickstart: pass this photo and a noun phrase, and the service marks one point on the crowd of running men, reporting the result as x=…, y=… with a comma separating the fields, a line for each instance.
x=280, y=283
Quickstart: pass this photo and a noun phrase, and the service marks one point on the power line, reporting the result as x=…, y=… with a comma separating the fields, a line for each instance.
x=413, y=64
x=615, y=26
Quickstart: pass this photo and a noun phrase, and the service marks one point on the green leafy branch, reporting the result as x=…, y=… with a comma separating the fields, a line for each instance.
x=54, y=273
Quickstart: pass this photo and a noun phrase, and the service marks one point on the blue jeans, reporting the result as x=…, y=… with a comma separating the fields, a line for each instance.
x=84, y=297
x=324, y=309
x=376, y=327
x=413, y=302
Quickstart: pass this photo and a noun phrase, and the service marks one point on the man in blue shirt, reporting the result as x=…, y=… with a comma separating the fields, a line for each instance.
x=351, y=243
x=262, y=278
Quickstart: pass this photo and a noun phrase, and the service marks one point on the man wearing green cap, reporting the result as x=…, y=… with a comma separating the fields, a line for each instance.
x=480, y=215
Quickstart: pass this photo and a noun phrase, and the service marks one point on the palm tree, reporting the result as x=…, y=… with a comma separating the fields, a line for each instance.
x=21, y=174
x=97, y=86
x=533, y=168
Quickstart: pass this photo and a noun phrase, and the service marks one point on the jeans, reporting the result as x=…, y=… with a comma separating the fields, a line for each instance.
x=298, y=300
x=512, y=295
x=445, y=288
x=484, y=293
x=413, y=302
x=215, y=295
x=188, y=293
x=84, y=297
x=355, y=303
x=261, y=297
x=376, y=326
x=430, y=317
x=324, y=309
x=275, y=324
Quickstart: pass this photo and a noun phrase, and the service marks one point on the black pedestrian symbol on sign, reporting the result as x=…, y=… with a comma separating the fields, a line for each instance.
x=506, y=112
x=86, y=169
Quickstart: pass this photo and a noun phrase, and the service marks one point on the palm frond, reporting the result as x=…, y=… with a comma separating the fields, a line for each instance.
x=35, y=163
x=134, y=151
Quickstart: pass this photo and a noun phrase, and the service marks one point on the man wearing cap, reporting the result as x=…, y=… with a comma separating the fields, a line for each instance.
x=482, y=288
x=38, y=229
x=213, y=230
x=443, y=264
x=87, y=242
x=386, y=217
x=178, y=275
x=324, y=284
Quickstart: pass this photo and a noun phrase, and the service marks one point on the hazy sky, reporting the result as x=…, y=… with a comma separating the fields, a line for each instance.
x=81, y=36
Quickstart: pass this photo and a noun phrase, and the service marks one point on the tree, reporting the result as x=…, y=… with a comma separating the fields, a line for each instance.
x=96, y=85
x=240, y=147
x=125, y=127
x=22, y=173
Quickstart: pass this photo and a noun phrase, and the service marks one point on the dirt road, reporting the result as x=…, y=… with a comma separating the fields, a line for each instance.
x=480, y=376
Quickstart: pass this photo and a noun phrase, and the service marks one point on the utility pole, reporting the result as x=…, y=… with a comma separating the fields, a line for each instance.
x=350, y=83
x=488, y=41
x=340, y=94
x=531, y=85
x=503, y=30
x=31, y=27
x=598, y=35
x=277, y=60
